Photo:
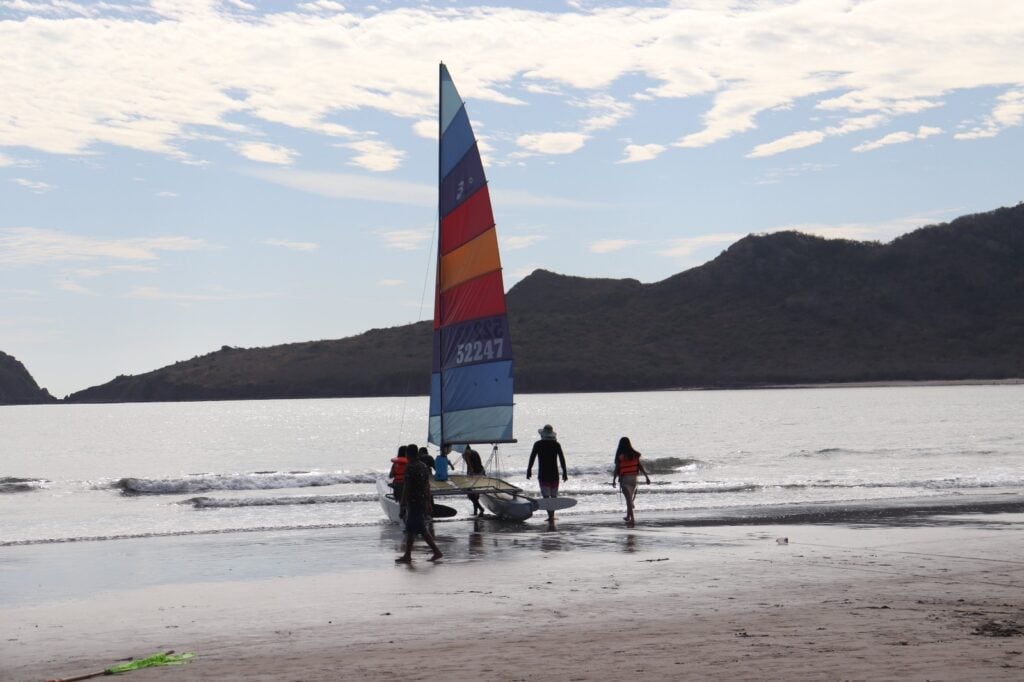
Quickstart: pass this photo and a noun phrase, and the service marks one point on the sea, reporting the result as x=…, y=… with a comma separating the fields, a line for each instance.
x=103, y=473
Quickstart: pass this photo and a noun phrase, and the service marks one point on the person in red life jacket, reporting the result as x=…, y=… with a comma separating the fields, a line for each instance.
x=397, y=473
x=626, y=467
x=548, y=453
x=417, y=506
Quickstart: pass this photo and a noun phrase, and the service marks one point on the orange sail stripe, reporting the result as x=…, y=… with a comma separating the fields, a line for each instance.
x=472, y=217
x=470, y=260
x=480, y=297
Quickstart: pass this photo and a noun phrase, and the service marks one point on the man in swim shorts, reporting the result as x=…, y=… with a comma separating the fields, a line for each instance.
x=548, y=453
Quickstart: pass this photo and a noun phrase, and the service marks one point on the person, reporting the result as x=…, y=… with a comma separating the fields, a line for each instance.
x=416, y=507
x=426, y=458
x=397, y=473
x=626, y=467
x=545, y=451
x=441, y=465
x=474, y=467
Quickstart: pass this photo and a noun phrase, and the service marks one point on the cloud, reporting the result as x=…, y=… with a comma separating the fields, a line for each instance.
x=375, y=155
x=7, y=160
x=610, y=245
x=157, y=294
x=390, y=282
x=293, y=246
x=405, y=240
x=73, y=287
x=516, y=242
x=203, y=68
x=29, y=246
x=1008, y=112
x=686, y=246
x=552, y=143
x=641, y=152
x=267, y=153
x=807, y=138
x=36, y=186
x=167, y=195
x=348, y=186
x=898, y=138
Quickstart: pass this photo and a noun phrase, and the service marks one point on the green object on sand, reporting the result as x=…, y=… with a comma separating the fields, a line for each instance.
x=150, y=662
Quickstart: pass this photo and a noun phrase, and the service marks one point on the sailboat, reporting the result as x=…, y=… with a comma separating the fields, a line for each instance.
x=471, y=388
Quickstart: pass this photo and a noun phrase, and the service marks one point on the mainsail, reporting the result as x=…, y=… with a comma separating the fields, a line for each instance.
x=471, y=380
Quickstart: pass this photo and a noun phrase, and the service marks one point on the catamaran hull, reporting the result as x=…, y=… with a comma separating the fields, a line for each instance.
x=509, y=507
x=387, y=501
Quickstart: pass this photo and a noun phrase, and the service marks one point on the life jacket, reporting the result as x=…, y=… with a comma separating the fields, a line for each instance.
x=399, y=469
x=629, y=467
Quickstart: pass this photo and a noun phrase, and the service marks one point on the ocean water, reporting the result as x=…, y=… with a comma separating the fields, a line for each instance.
x=94, y=473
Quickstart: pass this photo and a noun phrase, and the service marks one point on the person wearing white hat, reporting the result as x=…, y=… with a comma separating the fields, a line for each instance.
x=548, y=453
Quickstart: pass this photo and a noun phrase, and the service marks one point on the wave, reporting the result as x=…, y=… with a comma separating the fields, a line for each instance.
x=13, y=484
x=656, y=465
x=260, y=480
x=233, y=502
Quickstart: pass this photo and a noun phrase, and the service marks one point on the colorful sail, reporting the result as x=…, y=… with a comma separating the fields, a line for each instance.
x=471, y=380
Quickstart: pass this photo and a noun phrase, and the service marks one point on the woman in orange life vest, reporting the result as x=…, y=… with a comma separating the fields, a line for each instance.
x=627, y=466
x=397, y=473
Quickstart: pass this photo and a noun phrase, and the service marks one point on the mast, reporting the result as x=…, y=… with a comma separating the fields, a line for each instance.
x=437, y=269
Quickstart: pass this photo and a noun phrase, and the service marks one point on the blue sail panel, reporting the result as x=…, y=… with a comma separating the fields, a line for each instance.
x=483, y=385
x=480, y=425
x=483, y=340
x=456, y=141
x=451, y=102
x=464, y=179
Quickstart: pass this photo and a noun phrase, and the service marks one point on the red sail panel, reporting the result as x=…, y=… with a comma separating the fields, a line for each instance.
x=471, y=260
x=480, y=297
x=467, y=221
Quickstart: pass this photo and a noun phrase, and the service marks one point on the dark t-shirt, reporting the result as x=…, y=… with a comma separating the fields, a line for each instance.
x=549, y=456
x=474, y=467
x=417, y=487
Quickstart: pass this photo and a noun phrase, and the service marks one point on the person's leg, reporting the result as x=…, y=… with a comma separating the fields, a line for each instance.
x=407, y=557
x=429, y=537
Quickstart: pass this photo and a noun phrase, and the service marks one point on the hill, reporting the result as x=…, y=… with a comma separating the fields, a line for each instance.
x=944, y=302
x=17, y=387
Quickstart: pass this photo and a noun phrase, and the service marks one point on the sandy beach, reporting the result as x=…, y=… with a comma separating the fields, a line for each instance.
x=935, y=595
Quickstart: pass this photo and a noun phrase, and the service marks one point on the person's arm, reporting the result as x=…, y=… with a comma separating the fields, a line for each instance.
x=451, y=465
x=391, y=471
x=403, y=503
x=615, y=468
x=644, y=471
x=561, y=459
x=533, y=456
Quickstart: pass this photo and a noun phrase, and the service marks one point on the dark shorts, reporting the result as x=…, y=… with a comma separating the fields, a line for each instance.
x=415, y=521
x=548, y=488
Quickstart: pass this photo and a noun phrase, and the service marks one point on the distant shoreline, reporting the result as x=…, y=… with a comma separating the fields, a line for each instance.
x=886, y=384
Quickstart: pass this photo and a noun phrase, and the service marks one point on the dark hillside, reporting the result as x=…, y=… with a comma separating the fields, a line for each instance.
x=17, y=387
x=944, y=302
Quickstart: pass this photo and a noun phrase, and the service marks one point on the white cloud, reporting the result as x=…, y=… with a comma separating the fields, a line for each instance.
x=267, y=153
x=687, y=246
x=641, y=152
x=158, y=294
x=293, y=246
x=348, y=186
x=516, y=242
x=610, y=245
x=73, y=287
x=7, y=160
x=552, y=143
x=1008, y=112
x=405, y=240
x=167, y=195
x=28, y=246
x=898, y=138
x=390, y=282
x=35, y=185
x=375, y=155
x=804, y=138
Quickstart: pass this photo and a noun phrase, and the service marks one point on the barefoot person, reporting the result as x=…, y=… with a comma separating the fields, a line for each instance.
x=548, y=453
x=474, y=467
x=417, y=505
x=627, y=466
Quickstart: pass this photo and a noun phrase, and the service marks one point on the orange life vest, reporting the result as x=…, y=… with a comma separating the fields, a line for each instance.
x=398, y=469
x=629, y=467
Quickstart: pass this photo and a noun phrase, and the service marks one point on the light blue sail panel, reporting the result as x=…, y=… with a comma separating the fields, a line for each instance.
x=479, y=425
x=483, y=385
x=450, y=100
x=456, y=141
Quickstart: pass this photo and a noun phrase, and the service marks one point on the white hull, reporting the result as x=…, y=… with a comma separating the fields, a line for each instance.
x=509, y=506
x=387, y=501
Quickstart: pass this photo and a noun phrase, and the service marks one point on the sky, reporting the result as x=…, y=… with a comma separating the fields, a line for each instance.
x=179, y=175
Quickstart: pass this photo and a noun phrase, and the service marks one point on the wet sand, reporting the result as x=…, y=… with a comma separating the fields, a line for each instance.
x=936, y=594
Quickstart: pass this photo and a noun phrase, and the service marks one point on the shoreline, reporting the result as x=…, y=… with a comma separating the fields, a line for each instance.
x=935, y=594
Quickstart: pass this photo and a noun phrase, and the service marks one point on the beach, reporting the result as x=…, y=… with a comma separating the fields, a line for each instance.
x=929, y=594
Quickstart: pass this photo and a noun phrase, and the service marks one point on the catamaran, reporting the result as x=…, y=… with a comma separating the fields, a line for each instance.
x=471, y=393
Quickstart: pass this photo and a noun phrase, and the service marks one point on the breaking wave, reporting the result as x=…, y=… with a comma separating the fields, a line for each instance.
x=13, y=484
x=259, y=480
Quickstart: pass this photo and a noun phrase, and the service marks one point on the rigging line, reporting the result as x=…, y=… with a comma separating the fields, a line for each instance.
x=419, y=318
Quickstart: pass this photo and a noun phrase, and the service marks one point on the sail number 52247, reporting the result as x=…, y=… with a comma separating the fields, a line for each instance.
x=478, y=351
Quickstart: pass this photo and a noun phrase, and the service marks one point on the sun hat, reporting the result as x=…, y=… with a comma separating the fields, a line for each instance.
x=547, y=433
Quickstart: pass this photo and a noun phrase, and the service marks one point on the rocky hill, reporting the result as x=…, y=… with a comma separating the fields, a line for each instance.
x=944, y=302
x=17, y=387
